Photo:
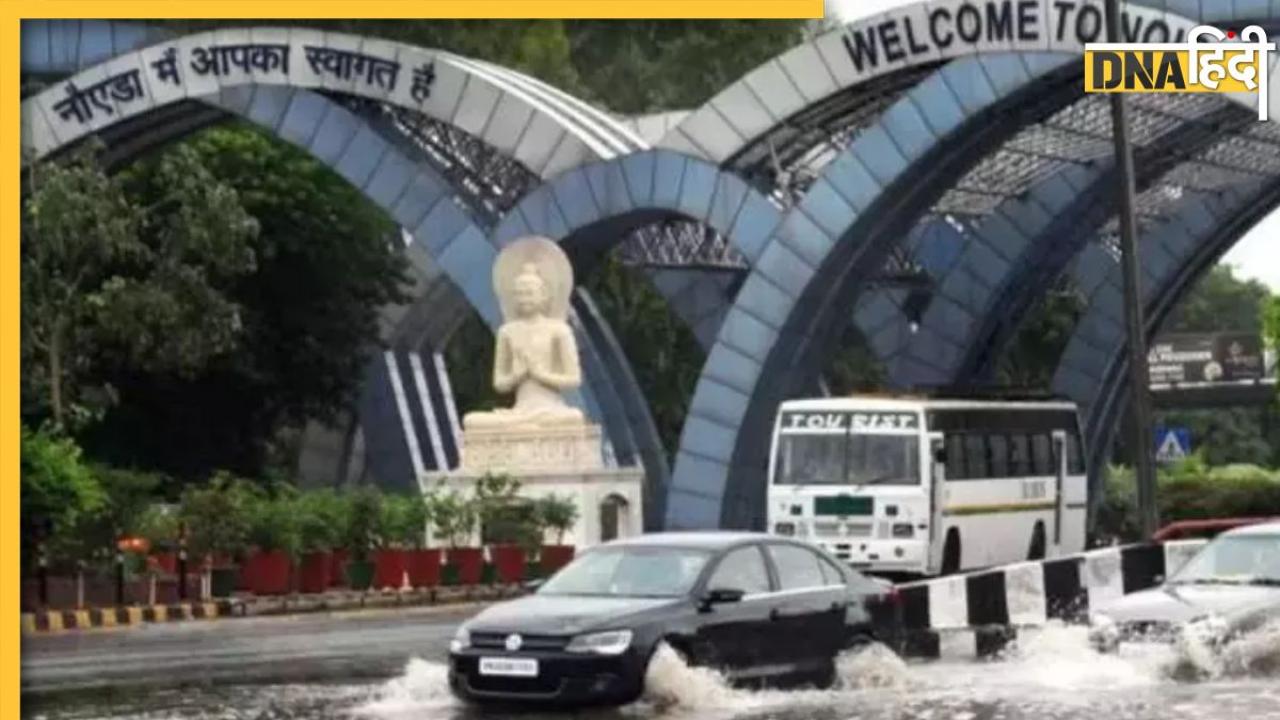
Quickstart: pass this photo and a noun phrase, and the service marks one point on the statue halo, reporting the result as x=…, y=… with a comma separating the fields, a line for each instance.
x=553, y=269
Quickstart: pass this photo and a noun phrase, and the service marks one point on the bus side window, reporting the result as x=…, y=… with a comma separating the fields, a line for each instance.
x=976, y=454
x=1042, y=455
x=999, y=446
x=1019, y=456
x=955, y=457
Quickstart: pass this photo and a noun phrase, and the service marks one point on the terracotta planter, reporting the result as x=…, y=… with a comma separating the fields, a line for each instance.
x=269, y=572
x=338, y=566
x=389, y=568
x=469, y=563
x=315, y=573
x=554, y=557
x=509, y=561
x=424, y=567
x=165, y=562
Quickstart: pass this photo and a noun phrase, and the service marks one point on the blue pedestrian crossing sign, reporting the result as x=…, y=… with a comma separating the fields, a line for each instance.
x=1172, y=444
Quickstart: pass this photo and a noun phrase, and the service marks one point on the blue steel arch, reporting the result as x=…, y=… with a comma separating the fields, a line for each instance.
x=56, y=48
x=1093, y=369
x=825, y=247
x=1017, y=252
x=591, y=208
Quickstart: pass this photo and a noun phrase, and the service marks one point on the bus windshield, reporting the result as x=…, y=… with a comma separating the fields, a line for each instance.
x=857, y=459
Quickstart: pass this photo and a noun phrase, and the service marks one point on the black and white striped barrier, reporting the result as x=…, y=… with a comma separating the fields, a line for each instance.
x=977, y=614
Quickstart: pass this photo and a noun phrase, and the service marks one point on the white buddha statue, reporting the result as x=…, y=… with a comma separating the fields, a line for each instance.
x=536, y=356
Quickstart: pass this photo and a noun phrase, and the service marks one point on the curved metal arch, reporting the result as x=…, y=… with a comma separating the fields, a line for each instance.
x=813, y=82
x=1011, y=257
x=825, y=248
x=592, y=208
x=539, y=126
x=1093, y=369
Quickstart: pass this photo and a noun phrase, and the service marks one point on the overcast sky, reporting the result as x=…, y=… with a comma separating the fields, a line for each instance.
x=1256, y=256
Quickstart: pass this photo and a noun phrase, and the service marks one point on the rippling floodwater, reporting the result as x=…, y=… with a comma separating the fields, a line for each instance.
x=1051, y=675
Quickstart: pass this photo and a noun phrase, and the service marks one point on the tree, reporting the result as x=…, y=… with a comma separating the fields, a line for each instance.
x=1271, y=324
x=1032, y=356
x=327, y=261
x=103, y=275
x=58, y=494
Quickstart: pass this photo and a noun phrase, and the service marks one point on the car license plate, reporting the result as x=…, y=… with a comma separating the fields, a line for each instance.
x=509, y=667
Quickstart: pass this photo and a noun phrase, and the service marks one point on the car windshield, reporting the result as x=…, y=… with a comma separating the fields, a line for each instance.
x=856, y=459
x=658, y=572
x=1234, y=559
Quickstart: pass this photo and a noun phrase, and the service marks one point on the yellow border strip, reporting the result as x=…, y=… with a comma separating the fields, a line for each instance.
x=416, y=9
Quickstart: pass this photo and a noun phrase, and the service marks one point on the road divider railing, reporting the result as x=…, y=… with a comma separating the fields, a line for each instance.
x=45, y=621
x=978, y=614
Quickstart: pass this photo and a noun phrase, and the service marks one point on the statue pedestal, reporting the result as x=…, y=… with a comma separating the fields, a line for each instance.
x=520, y=450
x=564, y=461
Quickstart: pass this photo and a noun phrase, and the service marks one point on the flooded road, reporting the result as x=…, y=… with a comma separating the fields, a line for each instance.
x=1053, y=675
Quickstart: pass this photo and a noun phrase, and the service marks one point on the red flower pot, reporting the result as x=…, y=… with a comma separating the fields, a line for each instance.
x=509, y=562
x=424, y=567
x=554, y=557
x=470, y=564
x=165, y=562
x=338, y=566
x=268, y=572
x=315, y=572
x=389, y=568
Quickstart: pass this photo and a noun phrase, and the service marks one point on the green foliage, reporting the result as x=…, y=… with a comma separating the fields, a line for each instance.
x=404, y=520
x=1033, y=354
x=109, y=280
x=217, y=516
x=325, y=260
x=321, y=517
x=364, y=522
x=1220, y=302
x=1191, y=490
x=664, y=354
x=557, y=513
x=453, y=515
x=59, y=494
x=273, y=522
x=158, y=524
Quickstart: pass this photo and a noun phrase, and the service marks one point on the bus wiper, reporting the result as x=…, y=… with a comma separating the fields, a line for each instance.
x=873, y=481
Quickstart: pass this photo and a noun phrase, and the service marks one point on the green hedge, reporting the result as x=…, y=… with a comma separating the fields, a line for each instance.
x=1190, y=490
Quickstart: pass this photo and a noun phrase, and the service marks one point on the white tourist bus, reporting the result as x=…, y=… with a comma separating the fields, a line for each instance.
x=923, y=486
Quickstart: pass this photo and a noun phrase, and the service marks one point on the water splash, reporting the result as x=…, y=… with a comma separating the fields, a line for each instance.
x=874, y=666
x=1255, y=654
x=671, y=682
x=423, y=686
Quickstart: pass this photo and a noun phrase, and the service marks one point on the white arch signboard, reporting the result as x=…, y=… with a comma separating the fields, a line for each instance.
x=911, y=35
x=546, y=131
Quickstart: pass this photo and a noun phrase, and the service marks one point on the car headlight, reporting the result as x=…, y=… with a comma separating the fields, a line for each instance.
x=461, y=640
x=612, y=642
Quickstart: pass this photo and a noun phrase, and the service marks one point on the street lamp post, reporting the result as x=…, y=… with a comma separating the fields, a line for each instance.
x=1139, y=381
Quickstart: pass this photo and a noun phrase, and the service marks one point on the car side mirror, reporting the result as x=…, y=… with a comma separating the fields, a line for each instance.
x=721, y=596
x=940, y=456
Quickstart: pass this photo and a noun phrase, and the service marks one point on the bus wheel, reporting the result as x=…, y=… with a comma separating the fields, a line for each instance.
x=1036, y=552
x=951, y=552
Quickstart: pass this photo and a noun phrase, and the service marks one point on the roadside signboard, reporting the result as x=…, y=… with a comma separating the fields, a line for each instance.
x=1172, y=444
x=1196, y=358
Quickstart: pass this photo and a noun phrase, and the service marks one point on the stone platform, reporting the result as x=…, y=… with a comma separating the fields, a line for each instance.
x=518, y=451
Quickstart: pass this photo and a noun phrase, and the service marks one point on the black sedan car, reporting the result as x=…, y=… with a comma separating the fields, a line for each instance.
x=757, y=607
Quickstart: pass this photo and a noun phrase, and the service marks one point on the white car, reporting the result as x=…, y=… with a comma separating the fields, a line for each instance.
x=1230, y=587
